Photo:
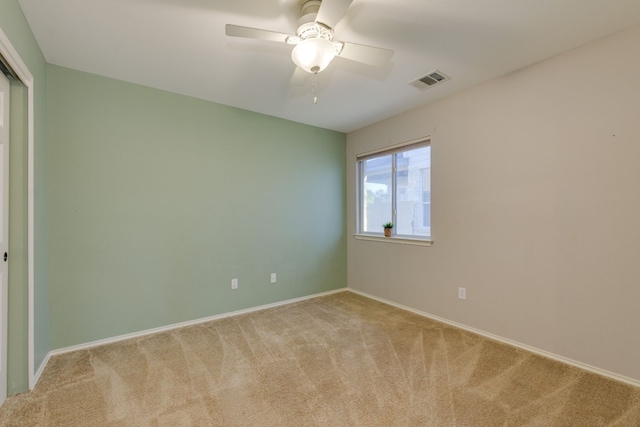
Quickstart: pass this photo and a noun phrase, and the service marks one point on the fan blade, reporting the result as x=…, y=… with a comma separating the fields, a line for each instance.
x=331, y=11
x=370, y=55
x=255, y=33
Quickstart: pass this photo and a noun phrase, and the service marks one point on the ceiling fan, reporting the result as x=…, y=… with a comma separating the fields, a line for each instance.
x=315, y=46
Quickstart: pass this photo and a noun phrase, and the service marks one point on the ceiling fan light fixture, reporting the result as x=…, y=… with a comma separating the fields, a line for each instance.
x=313, y=54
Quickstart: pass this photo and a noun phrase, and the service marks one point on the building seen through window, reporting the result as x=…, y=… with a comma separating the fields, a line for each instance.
x=395, y=186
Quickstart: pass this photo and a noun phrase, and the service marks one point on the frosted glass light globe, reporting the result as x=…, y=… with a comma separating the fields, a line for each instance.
x=314, y=54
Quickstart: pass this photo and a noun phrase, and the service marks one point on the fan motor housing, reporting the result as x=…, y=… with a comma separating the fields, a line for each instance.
x=310, y=6
x=307, y=26
x=314, y=29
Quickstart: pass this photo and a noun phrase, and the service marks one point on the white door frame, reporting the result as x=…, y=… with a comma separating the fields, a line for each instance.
x=12, y=57
x=5, y=102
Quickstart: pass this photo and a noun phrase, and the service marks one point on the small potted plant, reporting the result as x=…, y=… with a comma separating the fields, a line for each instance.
x=387, y=229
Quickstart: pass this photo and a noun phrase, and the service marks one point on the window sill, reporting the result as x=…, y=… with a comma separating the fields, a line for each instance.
x=394, y=239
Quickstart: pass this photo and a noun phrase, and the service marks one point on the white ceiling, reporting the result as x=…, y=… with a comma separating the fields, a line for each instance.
x=180, y=46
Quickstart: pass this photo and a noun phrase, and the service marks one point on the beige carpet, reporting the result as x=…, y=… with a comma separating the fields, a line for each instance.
x=339, y=360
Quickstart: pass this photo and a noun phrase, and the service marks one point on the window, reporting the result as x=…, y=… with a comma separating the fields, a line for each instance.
x=394, y=185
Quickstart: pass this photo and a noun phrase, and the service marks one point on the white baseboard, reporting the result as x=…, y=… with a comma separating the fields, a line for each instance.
x=534, y=350
x=36, y=375
x=171, y=327
x=537, y=351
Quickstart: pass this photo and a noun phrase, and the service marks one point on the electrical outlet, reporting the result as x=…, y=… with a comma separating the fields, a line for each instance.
x=462, y=293
x=234, y=283
x=273, y=277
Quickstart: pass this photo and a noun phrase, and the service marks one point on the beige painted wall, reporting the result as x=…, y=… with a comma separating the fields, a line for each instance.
x=535, y=207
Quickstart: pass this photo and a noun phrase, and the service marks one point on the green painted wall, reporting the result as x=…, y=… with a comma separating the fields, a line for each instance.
x=158, y=200
x=14, y=25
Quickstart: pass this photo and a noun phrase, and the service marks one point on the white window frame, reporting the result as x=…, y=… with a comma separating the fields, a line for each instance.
x=375, y=236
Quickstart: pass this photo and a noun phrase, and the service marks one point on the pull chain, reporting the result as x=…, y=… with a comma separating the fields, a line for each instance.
x=313, y=87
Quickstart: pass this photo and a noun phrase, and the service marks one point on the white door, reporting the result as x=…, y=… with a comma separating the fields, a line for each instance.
x=4, y=229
